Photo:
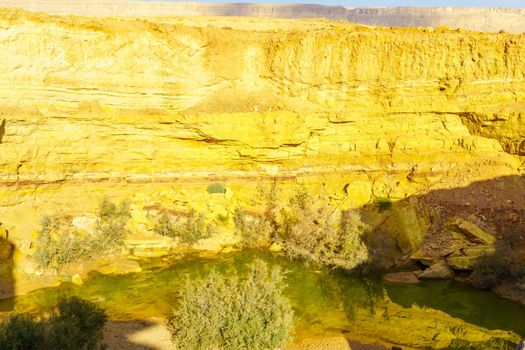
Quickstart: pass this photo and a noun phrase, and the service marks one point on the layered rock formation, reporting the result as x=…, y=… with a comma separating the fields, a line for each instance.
x=481, y=19
x=156, y=110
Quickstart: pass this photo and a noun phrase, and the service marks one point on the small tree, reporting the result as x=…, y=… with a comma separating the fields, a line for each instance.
x=231, y=313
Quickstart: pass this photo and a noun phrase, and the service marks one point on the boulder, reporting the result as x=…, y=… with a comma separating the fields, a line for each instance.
x=479, y=250
x=438, y=271
x=473, y=232
x=407, y=225
x=401, y=277
x=26, y=264
x=461, y=263
x=87, y=224
x=467, y=258
x=76, y=279
x=423, y=258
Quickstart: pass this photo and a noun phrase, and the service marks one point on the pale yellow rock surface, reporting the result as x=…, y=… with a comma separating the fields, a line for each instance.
x=156, y=110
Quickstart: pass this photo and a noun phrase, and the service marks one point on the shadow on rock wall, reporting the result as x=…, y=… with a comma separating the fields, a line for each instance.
x=447, y=224
x=7, y=285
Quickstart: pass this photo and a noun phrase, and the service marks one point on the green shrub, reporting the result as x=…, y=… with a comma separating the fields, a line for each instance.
x=489, y=271
x=194, y=229
x=165, y=225
x=384, y=203
x=232, y=313
x=113, y=219
x=255, y=231
x=59, y=243
x=318, y=233
x=189, y=230
x=216, y=188
x=21, y=332
x=74, y=324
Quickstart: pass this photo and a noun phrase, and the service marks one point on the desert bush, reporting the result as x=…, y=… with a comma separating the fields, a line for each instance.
x=254, y=230
x=189, y=230
x=216, y=188
x=489, y=271
x=59, y=243
x=220, y=312
x=492, y=269
x=194, y=229
x=21, y=332
x=383, y=203
x=74, y=324
x=112, y=222
x=165, y=224
x=318, y=233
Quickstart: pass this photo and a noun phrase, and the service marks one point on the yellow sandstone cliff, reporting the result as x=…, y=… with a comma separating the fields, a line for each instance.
x=155, y=110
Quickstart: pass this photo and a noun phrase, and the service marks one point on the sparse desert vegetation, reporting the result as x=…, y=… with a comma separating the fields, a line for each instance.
x=60, y=243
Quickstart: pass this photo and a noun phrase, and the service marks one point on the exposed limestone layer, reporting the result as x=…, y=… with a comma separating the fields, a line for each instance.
x=481, y=19
x=156, y=110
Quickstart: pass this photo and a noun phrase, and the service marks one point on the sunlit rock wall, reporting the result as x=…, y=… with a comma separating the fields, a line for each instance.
x=156, y=110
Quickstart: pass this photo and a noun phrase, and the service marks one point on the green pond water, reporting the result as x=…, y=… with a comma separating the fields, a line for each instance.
x=325, y=301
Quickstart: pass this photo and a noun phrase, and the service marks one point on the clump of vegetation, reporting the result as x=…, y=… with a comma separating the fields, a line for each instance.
x=216, y=188
x=220, y=312
x=491, y=270
x=254, y=230
x=21, y=332
x=60, y=243
x=383, y=203
x=112, y=222
x=189, y=230
x=321, y=234
x=74, y=324
x=166, y=224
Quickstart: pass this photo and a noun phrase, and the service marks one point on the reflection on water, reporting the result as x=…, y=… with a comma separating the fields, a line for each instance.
x=479, y=307
x=362, y=308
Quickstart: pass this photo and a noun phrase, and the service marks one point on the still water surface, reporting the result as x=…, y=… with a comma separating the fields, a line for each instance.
x=325, y=301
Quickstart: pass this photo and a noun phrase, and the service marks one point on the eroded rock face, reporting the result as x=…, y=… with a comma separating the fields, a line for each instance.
x=156, y=110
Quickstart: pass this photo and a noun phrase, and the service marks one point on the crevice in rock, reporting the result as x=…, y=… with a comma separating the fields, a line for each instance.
x=2, y=130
